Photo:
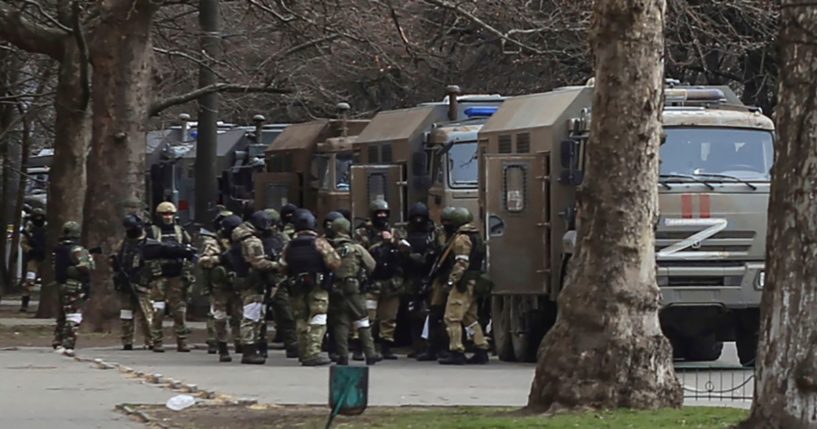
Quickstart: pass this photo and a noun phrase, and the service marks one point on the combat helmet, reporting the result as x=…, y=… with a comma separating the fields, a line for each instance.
x=461, y=216
x=219, y=217
x=71, y=230
x=340, y=226
x=274, y=216
x=303, y=219
x=378, y=205
x=260, y=220
x=447, y=216
x=288, y=211
x=165, y=207
x=229, y=223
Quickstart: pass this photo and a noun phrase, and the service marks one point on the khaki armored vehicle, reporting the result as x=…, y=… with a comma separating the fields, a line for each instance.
x=710, y=241
x=426, y=153
x=309, y=165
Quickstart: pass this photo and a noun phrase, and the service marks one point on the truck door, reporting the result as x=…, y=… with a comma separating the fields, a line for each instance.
x=371, y=182
x=273, y=190
x=517, y=222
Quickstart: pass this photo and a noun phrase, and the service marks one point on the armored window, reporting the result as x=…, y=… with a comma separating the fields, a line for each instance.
x=523, y=143
x=514, y=188
x=505, y=144
x=377, y=187
x=386, y=156
x=276, y=196
x=372, y=155
x=343, y=170
x=463, y=165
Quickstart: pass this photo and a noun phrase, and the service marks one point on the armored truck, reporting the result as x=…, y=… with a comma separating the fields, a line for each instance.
x=426, y=153
x=716, y=156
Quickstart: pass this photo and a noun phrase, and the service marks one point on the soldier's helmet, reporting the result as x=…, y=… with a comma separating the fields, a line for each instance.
x=165, y=207
x=229, y=223
x=71, y=230
x=274, y=217
x=303, y=219
x=260, y=221
x=418, y=209
x=378, y=206
x=287, y=211
x=132, y=221
x=461, y=216
x=341, y=225
x=219, y=217
x=37, y=212
x=447, y=216
x=331, y=216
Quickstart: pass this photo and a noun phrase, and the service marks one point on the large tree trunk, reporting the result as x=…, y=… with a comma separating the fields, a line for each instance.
x=606, y=349
x=67, y=177
x=121, y=57
x=786, y=374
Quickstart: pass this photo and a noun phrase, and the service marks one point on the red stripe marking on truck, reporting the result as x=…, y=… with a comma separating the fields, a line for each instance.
x=686, y=206
x=705, y=203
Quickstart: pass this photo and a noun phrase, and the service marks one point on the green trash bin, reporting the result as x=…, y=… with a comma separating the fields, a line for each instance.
x=348, y=389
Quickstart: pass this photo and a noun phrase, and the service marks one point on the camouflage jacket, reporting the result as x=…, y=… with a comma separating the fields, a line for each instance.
x=353, y=257
x=211, y=249
x=328, y=253
x=460, y=252
x=252, y=249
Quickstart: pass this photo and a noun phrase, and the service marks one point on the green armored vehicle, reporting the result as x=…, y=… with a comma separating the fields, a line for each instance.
x=710, y=241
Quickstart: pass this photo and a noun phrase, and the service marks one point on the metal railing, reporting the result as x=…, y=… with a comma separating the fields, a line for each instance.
x=716, y=382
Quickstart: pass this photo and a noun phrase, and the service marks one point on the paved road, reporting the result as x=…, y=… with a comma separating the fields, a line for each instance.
x=40, y=389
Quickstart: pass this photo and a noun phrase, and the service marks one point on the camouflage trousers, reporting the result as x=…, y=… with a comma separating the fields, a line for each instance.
x=310, y=309
x=347, y=313
x=225, y=306
x=383, y=309
x=253, y=313
x=134, y=305
x=69, y=315
x=32, y=271
x=461, y=311
x=282, y=315
x=169, y=292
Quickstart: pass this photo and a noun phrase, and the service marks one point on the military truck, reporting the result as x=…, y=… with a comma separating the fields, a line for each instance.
x=710, y=240
x=309, y=165
x=425, y=153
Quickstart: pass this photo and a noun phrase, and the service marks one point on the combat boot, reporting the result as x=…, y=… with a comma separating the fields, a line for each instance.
x=480, y=357
x=317, y=360
x=238, y=348
x=385, y=351
x=454, y=358
x=223, y=353
x=127, y=347
x=342, y=360
x=211, y=347
x=262, y=348
x=334, y=357
x=24, y=304
x=430, y=354
x=251, y=356
x=292, y=352
x=357, y=350
x=367, y=344
x=157, y=348
x=181, y=346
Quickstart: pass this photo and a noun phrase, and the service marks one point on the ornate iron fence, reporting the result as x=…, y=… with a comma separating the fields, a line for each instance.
x=716, y=382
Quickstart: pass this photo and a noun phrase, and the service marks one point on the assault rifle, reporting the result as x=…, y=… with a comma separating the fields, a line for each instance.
x=425, y=287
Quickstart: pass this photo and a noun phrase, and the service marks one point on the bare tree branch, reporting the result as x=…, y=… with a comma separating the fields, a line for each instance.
x=160, y=105
x=27, y=35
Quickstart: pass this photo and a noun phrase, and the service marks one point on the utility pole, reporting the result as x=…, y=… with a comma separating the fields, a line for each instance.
x=205, y=167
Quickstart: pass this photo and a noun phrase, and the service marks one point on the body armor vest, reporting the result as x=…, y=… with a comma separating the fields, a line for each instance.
x=349, y=265
x=303, y=257
x=169, y=234
x=237, y=261
x=273, y=245
x=62, y=261
x=477, y=252
x=36, y=240
x=421, y=241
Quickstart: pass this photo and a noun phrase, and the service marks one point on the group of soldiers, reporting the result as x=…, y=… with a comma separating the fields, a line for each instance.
x=344, y=283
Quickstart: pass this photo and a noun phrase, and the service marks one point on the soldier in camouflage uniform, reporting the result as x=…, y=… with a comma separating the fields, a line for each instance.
x=308, y=261
x=251, y=265
x=386, y=282
x=72, y=271
x=225, y=299
x=211, y=237
x=274, y=242
x=463, y=270
x=424, y=238
x=347, y=306
x=33, y=243
x=438, y=295
x=172, y=287
x=330, y=331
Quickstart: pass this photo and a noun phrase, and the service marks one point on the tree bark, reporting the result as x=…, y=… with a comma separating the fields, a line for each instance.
x=21, y=188
x=786, y=375
x=607, y=349
x=121, y=57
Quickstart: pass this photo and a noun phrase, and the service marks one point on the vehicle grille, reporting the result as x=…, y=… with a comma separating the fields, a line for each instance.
x=728, y=241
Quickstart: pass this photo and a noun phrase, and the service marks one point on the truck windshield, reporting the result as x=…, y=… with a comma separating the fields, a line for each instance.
x=343, y=170
x=742, y=153
x=462, y=165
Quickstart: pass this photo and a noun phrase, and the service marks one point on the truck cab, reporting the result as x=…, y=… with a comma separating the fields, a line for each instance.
x=710, y=238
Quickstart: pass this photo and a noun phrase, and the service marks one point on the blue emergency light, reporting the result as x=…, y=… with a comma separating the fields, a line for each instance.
x=480, y=111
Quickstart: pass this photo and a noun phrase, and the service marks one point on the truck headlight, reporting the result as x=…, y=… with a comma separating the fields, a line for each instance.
x=760, y=280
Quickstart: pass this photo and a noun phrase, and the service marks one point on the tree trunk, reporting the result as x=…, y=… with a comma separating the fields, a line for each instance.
x=67, y=177
x=21, y=191
x=121, y=55
x=786, y=374
x=606, y=349
x=8, y=85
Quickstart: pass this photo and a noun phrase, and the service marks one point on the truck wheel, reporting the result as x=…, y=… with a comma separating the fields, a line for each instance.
x=746, y=335
x=501, y=328
x=522, y=336
x=703, y=348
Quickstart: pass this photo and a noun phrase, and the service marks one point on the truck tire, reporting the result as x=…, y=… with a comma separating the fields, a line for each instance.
x=501, y=328
x=747, y=324
x=523, y=328
x=703, y=348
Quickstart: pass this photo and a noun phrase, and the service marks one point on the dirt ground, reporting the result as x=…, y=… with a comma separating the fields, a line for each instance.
x=41, y=336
